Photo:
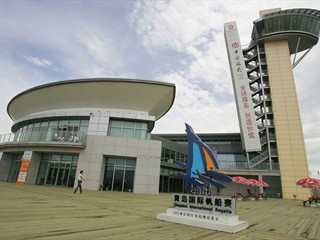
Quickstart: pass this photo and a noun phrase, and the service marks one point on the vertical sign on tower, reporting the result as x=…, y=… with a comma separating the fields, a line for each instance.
x=246, y=116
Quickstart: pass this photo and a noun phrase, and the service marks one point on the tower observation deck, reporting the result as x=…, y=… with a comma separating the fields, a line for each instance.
x=299, y=27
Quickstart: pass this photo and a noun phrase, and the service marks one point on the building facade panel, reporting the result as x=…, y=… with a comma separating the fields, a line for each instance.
x=294, y=128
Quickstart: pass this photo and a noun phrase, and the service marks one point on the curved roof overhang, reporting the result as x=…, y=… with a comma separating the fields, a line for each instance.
x=153, y=97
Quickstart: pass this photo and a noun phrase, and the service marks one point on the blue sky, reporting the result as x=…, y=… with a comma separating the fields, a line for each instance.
x=180, y=42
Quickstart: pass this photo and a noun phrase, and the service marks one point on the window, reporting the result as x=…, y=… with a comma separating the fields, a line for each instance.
x=53, y=129
x=15, y=167
x=171, y=156
x=305, y=22
x=119, y=174
x=299, y=22
x=128, y=128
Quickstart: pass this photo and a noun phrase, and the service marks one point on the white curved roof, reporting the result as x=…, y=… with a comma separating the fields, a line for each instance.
x=156, y=98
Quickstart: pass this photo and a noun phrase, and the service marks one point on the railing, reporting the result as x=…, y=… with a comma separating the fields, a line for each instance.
x=229, y=165
x=252, y=68
x=266, y=166
x=254, y=88
x=253, y=78
x=44, y=136
x=258, y=159
x=256, y=101
x=250, y=56
x=272, y=137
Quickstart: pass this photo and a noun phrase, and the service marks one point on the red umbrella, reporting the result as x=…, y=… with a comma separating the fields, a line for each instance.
x=239, y=179
x=264, y=184
x=254, y=182
x=309, y=182
x=312, y=183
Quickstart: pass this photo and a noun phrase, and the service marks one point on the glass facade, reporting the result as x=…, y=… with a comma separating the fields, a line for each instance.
x=57, y=170
x=170, y=156
x=119, y=174
x=128, y=128
x=46, y=130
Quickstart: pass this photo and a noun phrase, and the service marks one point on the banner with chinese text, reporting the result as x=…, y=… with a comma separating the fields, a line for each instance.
x=24, y=167
x=246, y=115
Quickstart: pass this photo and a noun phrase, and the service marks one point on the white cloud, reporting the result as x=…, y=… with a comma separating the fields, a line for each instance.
x=176, y=25
x=198, y=108
x=14, y=79
x=100, y=46
x=38, y=61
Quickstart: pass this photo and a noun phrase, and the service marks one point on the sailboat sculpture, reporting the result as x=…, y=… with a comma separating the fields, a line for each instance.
x=202, y=165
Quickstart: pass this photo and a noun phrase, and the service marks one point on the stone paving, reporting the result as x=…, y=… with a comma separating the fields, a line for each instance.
x=41, y=212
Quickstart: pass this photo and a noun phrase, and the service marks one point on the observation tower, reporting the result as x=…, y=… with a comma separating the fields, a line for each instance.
x=280, y=40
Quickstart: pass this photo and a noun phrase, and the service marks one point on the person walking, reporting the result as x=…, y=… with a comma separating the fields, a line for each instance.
x=80, y=180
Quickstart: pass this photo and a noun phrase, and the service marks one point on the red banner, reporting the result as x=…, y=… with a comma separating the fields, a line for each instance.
x=24, y=167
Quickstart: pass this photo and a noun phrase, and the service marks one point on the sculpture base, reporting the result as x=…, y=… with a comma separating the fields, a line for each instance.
x=207, y=220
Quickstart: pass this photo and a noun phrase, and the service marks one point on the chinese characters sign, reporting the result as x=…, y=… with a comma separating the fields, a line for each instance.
x=213, y=204
x=248, y=124
x=24, y=167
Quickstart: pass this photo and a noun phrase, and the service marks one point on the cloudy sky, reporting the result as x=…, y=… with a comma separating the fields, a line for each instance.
x=178, y=41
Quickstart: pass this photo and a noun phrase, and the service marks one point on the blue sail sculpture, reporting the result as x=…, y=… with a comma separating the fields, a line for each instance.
x=202, y=165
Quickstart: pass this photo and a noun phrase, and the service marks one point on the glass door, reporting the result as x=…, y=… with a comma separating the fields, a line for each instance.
x=63, y=174
x=52, y=173
x=118, y=179
x=58, y=174
x=57, y=170
x=14, y=171
x=72, y=174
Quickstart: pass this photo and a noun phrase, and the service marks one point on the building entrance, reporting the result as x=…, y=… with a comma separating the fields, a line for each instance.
x=58, y=174
x=57, y=170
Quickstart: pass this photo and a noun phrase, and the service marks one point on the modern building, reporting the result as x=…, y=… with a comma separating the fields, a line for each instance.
x=276, y=37
x=101, y=126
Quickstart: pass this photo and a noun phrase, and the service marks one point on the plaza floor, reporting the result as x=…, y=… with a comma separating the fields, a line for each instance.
x=41, y=212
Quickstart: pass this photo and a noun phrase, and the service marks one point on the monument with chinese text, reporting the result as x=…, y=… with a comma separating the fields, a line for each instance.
x=199, y=207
